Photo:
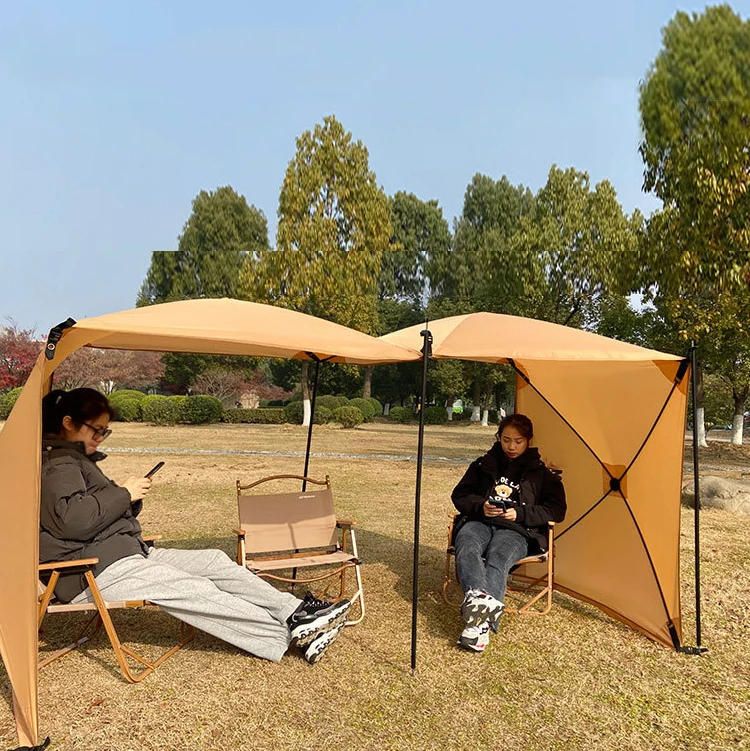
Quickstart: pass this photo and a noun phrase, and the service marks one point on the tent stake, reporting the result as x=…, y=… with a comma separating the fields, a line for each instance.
x=426, y=354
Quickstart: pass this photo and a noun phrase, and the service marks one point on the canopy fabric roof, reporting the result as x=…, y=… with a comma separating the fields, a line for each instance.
x=236, y=327
x=611, y=416
x=230, y=327
x=495, y=337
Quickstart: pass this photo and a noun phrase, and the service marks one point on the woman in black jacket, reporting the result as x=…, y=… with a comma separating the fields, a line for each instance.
x=84, y=514
x=506, y=498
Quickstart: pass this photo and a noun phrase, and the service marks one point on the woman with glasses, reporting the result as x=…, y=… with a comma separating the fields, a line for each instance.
x=505, y=500
x=84, y=514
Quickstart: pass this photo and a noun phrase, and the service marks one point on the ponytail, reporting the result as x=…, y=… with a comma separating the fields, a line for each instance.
x=81, y=405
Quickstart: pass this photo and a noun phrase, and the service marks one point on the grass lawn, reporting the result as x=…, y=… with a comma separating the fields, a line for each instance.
x=574, y=679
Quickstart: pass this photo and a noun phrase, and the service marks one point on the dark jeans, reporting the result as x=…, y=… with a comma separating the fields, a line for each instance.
x=485, y=555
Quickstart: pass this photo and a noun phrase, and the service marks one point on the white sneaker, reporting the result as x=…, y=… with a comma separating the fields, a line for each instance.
x=316, y=649
x=475, y=638
x=479, y=607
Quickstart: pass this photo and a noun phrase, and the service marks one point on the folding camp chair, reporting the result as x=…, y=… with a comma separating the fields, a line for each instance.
x=533, y=575
x=100, y=608
x=285, y=532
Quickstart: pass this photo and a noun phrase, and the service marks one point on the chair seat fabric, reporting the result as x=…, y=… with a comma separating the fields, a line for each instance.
x=326, y=559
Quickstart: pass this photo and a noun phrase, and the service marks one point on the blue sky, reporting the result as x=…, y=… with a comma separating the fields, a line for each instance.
x=115, y=115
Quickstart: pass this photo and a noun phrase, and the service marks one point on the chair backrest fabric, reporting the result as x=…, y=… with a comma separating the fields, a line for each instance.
x=287, y=521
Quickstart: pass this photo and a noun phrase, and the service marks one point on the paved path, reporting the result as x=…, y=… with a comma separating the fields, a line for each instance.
x=317, y=455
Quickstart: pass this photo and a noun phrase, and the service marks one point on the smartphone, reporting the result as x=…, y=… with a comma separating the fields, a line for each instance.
x=154, y=470
x=499, y=502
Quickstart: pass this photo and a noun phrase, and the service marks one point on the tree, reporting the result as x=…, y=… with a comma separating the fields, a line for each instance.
x=577, y=244
x=334, y=225
x=695, y=114
x=480, y=272
x=109, y=369
x=19, y=350
x=419, y=233
x=216, y=239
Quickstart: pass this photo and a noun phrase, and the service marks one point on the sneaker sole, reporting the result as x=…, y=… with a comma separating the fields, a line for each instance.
x=471, y=647
x=308, y=632
x=314, y=654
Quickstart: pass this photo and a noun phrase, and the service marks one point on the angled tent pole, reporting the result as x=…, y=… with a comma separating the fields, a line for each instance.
x=312, y=418
x=698, y=649
x=426, y=354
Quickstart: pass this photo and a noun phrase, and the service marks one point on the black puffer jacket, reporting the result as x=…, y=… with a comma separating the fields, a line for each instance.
x=83, y=514
x=541, y=495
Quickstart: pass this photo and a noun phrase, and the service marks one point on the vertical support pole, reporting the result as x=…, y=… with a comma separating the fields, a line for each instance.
x=310, y=426
x=696, y=481
x=426, y=353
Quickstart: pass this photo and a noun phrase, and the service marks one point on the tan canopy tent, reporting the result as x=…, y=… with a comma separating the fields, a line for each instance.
x=612, y=416
x=228, y=327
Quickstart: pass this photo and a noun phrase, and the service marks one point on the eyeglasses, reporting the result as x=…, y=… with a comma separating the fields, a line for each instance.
x=101, y=433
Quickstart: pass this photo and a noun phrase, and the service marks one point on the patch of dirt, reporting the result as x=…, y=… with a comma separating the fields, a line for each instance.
x=720, y=452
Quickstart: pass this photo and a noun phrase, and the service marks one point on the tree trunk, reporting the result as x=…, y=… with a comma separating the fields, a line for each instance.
x=307, y=414
x=449, y=409
x=367, y=388
x=699, y=412
x=738, y=419
x=486, y=410
x=386, y=409
x=476, y=397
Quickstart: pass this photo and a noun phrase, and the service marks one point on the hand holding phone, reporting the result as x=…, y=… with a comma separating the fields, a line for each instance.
x=154, y=469
x=497, y=502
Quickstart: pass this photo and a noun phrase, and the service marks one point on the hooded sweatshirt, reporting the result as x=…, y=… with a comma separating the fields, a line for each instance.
x=536, y=492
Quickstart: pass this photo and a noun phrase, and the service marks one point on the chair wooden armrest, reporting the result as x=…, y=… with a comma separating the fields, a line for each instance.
x=240, y=532
x=78, y=563
x=150, y=539
x=345, y=523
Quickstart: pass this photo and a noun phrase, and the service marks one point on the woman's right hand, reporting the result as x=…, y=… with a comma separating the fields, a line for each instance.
x=138, y=487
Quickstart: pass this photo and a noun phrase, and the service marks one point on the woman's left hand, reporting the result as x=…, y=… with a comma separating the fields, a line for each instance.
x=509, y=514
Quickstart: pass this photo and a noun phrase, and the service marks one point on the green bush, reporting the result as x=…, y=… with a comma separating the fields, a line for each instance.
x=435, y=415
x=162, y=410
x=7, y=402
x=127, y=393
x=294, y=412
x=327, y=401
x=322, y=414
x=399, y=414
x=348, y=416
x=269, y=416
x=376, y=405
x=200, y=409
x=126, y=409
x=364, y=406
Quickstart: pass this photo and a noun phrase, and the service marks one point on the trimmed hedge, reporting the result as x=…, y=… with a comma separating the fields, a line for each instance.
x=364, y=406
x=435, y=415
x=294, y=412
x=328, y=401
x=268, y=416
x=126, y=409
x=322, y=414
x=163, y=410
x=400, y=414
x=377, y=406
x=129, y=393
x=7, y=402
x=200, y=409
x=348, y=416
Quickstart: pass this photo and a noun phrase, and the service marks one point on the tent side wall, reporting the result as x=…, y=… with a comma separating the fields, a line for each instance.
x=617, y=432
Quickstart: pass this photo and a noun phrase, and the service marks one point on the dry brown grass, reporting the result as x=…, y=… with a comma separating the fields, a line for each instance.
x=572, y=680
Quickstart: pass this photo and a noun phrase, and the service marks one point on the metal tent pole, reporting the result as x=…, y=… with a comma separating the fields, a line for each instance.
x=426, y=354
x=312, y=420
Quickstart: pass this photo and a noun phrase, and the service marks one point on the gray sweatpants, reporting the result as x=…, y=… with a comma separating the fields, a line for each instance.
x=208, y=590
